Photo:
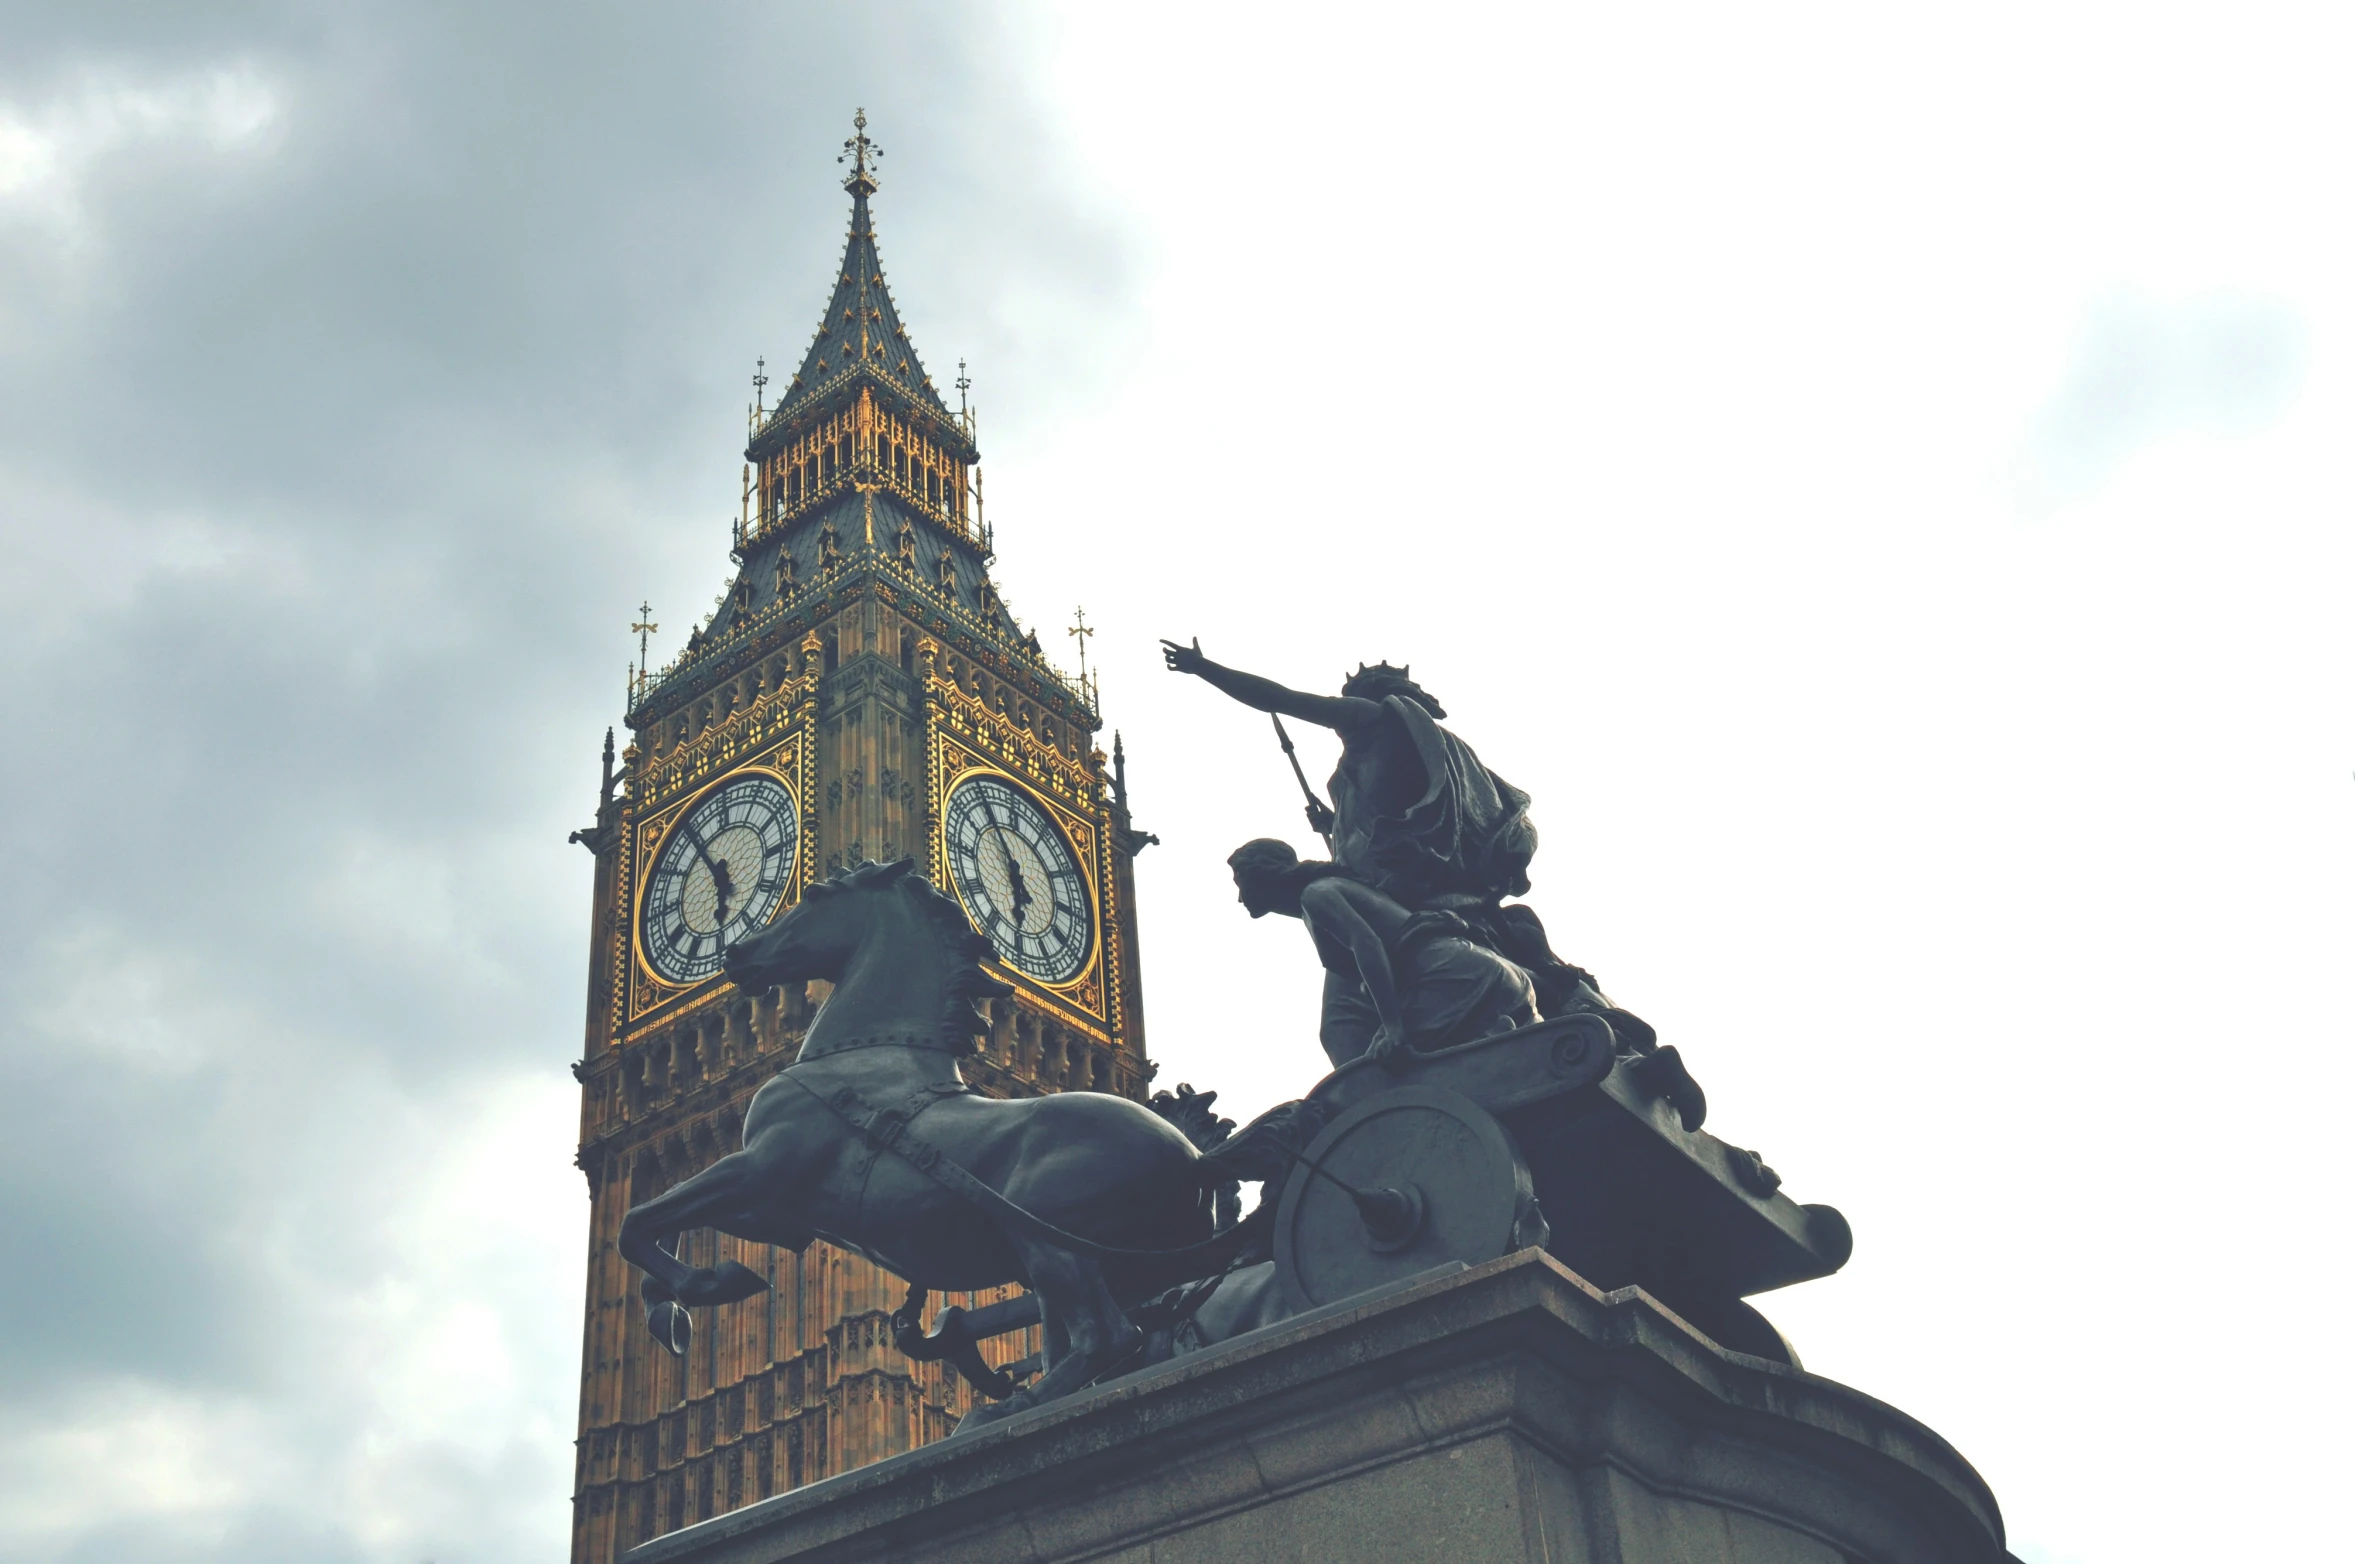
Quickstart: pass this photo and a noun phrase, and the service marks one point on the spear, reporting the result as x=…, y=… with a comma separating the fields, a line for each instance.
x=1320, y=813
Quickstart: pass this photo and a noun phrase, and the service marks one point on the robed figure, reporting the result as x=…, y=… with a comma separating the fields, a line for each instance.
x=1439, y=840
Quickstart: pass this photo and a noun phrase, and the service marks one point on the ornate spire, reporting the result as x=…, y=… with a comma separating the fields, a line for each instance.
x=861, y=334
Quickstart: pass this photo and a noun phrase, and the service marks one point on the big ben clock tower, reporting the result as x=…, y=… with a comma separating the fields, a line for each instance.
x=862, y=692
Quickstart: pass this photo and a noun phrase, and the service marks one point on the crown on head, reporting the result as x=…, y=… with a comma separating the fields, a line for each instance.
x=1378, y=680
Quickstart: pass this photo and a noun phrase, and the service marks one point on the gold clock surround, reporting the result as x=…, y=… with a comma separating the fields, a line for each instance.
x=1078, y=840
x=653, y=836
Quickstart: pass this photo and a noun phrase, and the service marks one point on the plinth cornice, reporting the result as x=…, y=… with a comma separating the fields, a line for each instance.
x=1608, y=1398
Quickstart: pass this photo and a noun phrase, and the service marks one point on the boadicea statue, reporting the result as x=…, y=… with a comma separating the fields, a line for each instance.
x=1485, y=1096
x=1409, y=917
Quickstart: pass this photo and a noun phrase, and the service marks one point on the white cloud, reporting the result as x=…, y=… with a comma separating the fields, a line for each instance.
x=2145, y=372
x=415, y=1390
x=50, y=148
x=135, y=1453
x=111, y=996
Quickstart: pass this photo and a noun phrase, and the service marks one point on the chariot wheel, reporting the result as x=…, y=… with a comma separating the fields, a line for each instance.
x=1413, y=1178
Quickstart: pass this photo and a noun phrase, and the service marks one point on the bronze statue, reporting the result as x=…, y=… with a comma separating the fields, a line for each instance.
x=1415, y=814
x=1452, y=1122
x=1417, y=819
x=1394, y=979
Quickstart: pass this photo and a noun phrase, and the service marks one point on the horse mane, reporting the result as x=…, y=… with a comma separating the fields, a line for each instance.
x=968, y=985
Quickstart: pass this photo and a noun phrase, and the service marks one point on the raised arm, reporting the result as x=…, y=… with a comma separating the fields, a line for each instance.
x=1339, y=712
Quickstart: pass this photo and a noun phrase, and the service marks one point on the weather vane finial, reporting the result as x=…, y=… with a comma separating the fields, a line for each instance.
x=1080, y=631
x=646, y=625
x=861, y=154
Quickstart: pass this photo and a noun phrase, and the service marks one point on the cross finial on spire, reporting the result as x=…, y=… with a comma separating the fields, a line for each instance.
x=964, y=384
x=645, y=627
x=860, y=154
x=760, y=381
x=1080, y=631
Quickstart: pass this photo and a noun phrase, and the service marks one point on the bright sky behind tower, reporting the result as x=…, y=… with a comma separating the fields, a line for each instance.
x=1876, y=476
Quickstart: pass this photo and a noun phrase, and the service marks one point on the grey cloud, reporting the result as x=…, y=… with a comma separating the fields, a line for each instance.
x=333, y=456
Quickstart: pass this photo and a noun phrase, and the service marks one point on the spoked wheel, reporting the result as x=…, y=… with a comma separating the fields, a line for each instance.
x=1413, y=1178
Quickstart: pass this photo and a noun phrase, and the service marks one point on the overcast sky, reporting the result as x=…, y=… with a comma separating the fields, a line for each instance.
x=1876, y=476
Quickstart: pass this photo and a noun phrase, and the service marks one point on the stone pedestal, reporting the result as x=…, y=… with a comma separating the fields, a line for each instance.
x=1506, y=1412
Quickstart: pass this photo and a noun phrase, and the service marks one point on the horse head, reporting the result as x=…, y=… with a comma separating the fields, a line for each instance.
x=877, y=926
x=816, y=937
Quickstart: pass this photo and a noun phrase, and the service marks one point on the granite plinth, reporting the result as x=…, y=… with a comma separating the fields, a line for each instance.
x=1505, y=1412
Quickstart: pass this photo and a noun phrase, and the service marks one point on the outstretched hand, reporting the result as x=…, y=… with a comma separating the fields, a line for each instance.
x=1183, y=659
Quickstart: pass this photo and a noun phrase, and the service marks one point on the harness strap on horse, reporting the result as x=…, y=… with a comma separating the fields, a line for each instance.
x=890, y=1129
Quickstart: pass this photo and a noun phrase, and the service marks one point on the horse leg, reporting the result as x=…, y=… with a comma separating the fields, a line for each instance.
x=1095, y=1328
x=725, y=1196
x=1077, y=1308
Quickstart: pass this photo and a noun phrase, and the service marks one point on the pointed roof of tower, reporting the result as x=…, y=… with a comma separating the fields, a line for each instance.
x=861, y=333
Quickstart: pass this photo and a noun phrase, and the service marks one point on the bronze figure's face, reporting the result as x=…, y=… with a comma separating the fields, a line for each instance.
x=1266, y=878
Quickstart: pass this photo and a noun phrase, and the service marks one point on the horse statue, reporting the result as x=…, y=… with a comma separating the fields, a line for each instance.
x=872, y=1141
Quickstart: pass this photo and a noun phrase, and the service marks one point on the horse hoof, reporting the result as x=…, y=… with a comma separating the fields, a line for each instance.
x=725, y=1282
x=672, y=1326
x=996, y=1411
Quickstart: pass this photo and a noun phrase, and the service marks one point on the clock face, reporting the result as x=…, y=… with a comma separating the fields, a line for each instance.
x=718, y=876
x=1018, y=879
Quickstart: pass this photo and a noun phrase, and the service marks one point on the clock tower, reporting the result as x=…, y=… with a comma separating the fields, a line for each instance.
x=862, y=691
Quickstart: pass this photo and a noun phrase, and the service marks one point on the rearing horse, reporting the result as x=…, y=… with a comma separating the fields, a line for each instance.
x=903, y=959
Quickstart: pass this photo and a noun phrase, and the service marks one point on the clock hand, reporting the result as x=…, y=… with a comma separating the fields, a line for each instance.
x=723, y=886
x=720, y=883
x=989, y=807
x=1022, y=897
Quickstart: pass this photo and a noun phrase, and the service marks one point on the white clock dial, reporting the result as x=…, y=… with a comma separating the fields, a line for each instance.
x=719, y=875
x=1018, y=879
